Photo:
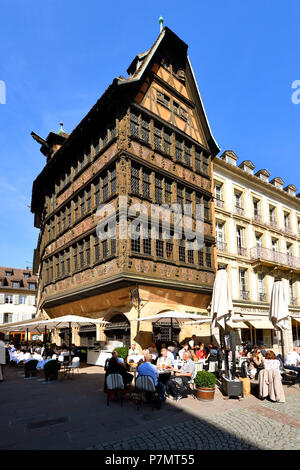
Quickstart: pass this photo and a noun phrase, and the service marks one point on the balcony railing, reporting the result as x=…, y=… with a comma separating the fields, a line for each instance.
x=288, y=229
x=262, y=296
x=275, y=257
x=219, y=203
x=244, y=295
x=241, y=251
x=293, y=301
x=273, y=223
x=239, y=210
x=221, y=246
x=257, y=218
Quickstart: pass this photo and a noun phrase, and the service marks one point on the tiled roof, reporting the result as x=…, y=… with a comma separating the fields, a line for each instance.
x=17, y=275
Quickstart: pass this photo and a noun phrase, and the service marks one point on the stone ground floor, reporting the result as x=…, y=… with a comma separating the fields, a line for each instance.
x=72, y=414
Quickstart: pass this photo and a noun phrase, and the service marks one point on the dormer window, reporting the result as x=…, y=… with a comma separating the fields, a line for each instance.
x=8, y=273
x=16, y=284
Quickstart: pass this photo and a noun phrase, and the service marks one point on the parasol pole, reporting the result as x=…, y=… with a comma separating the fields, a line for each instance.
x=282, y=344
x=70, y=339
x=171, y=329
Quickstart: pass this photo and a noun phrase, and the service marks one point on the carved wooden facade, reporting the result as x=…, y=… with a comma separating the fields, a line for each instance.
x=146, y=138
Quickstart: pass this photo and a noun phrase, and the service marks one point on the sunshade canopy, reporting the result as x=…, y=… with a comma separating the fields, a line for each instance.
x=279, y=310
x=59, y=322
x=221, y=303
x=180, y=316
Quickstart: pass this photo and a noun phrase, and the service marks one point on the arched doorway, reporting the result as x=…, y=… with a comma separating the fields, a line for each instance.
x=118, y=330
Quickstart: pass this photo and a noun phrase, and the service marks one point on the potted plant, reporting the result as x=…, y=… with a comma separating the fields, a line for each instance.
x=205, y=384
x=122, y=352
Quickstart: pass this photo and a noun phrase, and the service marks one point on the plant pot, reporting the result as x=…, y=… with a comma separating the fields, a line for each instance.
x=205, y=393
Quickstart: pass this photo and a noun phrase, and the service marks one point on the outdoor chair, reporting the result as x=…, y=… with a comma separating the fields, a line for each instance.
x=144, y=383
x=212, y=366
x=70, y=370
x=114, y=384
x=30, y=369
x=288, y=374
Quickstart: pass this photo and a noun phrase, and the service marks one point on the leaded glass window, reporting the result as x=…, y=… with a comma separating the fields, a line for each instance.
x=135, y=179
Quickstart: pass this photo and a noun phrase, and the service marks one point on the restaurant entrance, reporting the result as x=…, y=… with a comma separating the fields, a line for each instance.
x=118, y=329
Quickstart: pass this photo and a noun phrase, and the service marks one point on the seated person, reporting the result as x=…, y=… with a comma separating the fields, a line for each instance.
x=51, y=369
x=271, y=362
x=153, y=349
x=114, y=354
x=185, y=374
x=173, y=349
x=169, y=353
x=164, y=362
x=133, y=350
x=256, y=363
x=147, y=368
x=292, y=361
x=212, y=355
x=185, y=348
x=114, y=367
x=201, y=353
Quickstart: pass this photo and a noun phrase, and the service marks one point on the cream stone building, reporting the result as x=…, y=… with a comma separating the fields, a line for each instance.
x=258, y=240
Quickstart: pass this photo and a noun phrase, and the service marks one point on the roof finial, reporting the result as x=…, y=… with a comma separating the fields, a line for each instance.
x=161, y=20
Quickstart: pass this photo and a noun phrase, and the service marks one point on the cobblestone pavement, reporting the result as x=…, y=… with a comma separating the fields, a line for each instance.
x=241, y=429
x=73, y=415
x=291, y=408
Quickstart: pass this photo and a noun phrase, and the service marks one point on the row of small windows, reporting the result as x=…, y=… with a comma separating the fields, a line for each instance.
x=79, y=256
x=167, y=249
x=164, y=190
x=84, y=158
x=162, y=141
x=95, y=193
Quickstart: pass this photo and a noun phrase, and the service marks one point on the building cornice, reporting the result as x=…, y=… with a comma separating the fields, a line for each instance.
x=248, y=177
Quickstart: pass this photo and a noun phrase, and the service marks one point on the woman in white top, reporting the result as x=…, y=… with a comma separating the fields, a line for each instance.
x=164, y=362
x=133, y=351
x=270, y=361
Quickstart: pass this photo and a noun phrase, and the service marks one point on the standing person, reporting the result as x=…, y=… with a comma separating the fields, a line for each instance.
x=184, y=349
x=192, y=344
x=2, y=356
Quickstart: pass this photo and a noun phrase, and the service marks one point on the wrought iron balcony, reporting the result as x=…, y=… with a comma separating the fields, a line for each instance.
x=259, y=253
x=293, y=301
x=239, y=210
x=288, y=229
x=257, y=218
x=219, y=203
x=221, y=246
x=262, y=296
x=241, y=251
x=273, y=223
x=244, y=294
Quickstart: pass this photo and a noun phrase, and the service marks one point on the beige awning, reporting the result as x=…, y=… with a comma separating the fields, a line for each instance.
x=240, y=324
x=263, y=324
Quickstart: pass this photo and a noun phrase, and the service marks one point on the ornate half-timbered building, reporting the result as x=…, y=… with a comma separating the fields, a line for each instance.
x=147, y=138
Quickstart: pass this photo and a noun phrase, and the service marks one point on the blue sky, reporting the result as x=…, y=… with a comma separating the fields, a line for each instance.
x=57, y=58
